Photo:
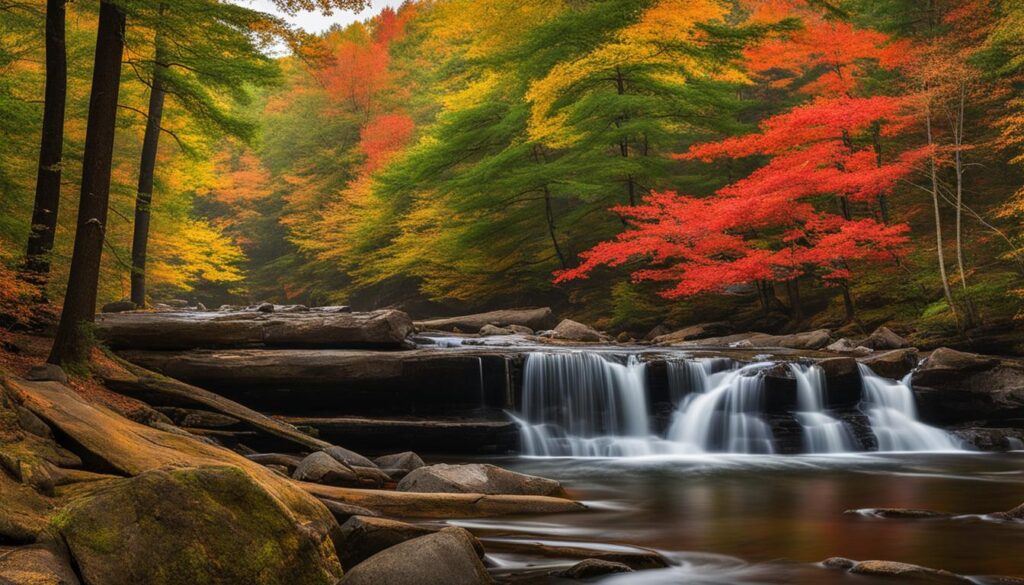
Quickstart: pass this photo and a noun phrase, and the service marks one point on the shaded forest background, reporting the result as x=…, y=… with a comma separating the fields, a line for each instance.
x=456, y=155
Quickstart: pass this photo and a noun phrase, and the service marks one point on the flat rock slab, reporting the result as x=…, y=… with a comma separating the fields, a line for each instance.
x=415, y=505
x=424, y=434
x=477, y=478
x=190, y=330
x=37, y=564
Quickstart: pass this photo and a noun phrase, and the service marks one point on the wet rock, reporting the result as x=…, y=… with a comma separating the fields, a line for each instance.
x=282, y=459
x=956, y=387
x=657, y=331
x=293, y=309
x=992, y=439
x=700, y=331
x=398, y=465
x=118, y=307
x=893, y=364
x=477, y=479
x=362, y=537
x=838, y=563
x=448, y=557
x=623, y=337
x=519, y=329
x=322, y=468
x=493, y=330
x=176, y=303
x=264, y=308
x=847, y=345
x=37, y=564
x=131, y=531
x=350, y=458
x=371, y=476
x=47, y=373
x=906, y=571
x=569, y=330
x=333, y=309
x=342, y=511
x=807, y=340
x=1014, y=514
x=540, y=318
x=201, y=307
x=590, y=568
x=636, y=558
x=202, y=419
x=810, y=340
x=884, y=338
x=899, y=513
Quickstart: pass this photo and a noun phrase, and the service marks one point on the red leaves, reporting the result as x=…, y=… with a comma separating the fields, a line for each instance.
x=382, y=137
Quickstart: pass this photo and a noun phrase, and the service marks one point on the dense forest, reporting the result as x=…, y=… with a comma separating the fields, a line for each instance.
x=788, y=163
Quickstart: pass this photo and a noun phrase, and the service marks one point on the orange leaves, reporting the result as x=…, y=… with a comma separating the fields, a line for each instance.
x=382, y=137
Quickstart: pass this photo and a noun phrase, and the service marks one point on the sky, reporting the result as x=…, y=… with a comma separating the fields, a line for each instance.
x=315, y=22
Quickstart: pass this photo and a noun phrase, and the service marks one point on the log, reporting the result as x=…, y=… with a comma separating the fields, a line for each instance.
x=430, y=505
x=193, y=329
x=152, y=388
x=422, y=434
x=536, y=319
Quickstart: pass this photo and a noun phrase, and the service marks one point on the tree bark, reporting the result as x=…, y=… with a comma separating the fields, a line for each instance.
x=793, y=290
x=958, y=135
x=73, y=338
x=938, y=221
x=147, y=168
x=51, y=150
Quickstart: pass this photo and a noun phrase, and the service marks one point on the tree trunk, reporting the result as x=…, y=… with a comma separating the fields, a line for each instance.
x=147, y=167
x=876, y=142
x=51, y=150
x=550, y=215
x=958, y=134
x=938, y=221
x=851, y=311
x=793, y=290
x=73, y=337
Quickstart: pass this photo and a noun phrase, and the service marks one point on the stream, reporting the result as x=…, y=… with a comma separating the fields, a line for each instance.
x=723, y=519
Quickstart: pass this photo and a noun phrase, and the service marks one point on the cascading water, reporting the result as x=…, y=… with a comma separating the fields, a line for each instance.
x=893, y=414
x=822, y=433
x=584, y=404
x=722, y=412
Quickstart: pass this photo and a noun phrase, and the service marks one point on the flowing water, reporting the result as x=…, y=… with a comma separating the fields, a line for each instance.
x=749, y=519
x=587, y=404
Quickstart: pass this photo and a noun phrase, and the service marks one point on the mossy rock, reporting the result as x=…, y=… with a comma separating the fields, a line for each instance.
x=210, y=525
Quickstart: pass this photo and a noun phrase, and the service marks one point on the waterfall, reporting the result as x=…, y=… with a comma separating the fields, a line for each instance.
x=582, y=405
x=822, y=433
x=724, y=414
x=893, y=414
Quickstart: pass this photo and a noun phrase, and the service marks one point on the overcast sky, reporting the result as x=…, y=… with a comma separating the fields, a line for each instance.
x=315, y=22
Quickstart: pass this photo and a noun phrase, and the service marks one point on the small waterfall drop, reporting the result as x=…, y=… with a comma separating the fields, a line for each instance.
x=893, y=414
x=822, y=433
x=582, y=405
x=722, y=412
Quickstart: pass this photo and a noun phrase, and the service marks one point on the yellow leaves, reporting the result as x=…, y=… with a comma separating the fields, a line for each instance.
x=188, y=251
x=474, y=92
x=647, y=42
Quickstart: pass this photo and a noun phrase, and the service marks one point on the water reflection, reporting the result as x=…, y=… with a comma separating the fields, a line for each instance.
x=763, y=519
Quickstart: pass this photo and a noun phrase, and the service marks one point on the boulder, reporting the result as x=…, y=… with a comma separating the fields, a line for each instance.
x=700, y=331
x=192, y=525
x=591, y=568
x=118, y=307
x=264, y=308
x=838, y=563
x=907, y=572
x=493, y=330
x=893, y=364
x=362, y=537
x=956, y=387
x=200, y=419
x=634, y=557
x=399, y=465
x=810, y=340
x=37, y=564
x=477, y=478
x=569, y=330
x=189, y=330
x=519, y=329
x=320, y=467
x=992, y=439
x=807, y=340
x=448, y=557
x=47, y=373
x=349, y=458
x=541, y=318
x=847, y=345
x=1014, y=514
x=343, y=512
x=884, y=338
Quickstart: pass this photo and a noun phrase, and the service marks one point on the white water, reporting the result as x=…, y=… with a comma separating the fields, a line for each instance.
x=723, y=412
x=822, y=433
x=893, y=414
x=584, y=404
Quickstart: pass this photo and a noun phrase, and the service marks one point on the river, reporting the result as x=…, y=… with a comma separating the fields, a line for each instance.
x=748, y=519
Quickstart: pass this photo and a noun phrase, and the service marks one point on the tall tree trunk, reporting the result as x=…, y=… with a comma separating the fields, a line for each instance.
x=550, y=215
x=147, y=167
x=876, y=142
x=793, y=290
x=958, y=135
x=848, y=306
x=51, y=150
x=73, y=336
x=938, y=220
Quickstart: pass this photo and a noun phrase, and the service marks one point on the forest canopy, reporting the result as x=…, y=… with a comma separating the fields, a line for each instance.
x=630, y=161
